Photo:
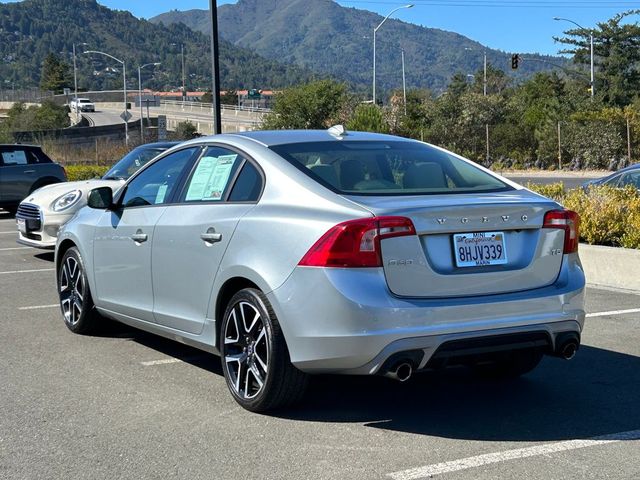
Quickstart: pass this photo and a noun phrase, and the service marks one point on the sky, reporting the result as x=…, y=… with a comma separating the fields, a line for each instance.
x=519, y=26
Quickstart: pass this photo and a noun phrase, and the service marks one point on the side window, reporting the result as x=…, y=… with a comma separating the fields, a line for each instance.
x=613, y=182
x=36, y=155
x=248, y=185
x=14, y=157
x=210, y=179
x=155, y=185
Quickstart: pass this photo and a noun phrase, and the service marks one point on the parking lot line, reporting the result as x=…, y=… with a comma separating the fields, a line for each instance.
x=613, y=312
x=13, y=248
x=161, y=362
x=38, y=307
x=27, y=271
x=8, y=233
x=498, y=457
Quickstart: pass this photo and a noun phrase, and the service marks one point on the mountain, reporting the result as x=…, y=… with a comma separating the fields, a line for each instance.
x=330, y=39
x=31, y=29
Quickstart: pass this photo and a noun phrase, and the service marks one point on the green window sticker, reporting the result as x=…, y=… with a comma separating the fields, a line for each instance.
x=210, y=178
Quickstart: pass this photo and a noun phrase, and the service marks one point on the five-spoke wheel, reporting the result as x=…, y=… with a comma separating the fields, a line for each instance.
x=255, y=359
x=75, y=297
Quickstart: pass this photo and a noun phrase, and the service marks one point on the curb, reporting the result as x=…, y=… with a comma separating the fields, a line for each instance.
x=611, y=267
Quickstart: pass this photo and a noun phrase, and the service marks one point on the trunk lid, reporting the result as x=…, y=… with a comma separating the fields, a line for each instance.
x=425, y=265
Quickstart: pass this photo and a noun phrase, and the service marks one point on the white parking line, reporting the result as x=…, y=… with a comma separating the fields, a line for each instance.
x=490, y=458
x=161, y=362
x=38, y=307
x=9, y=233
x=28, y=271
x=13, y=248
x=613, y=312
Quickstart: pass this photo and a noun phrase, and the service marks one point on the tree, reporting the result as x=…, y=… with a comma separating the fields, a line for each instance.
x=315, y=105
x=185, y=131
x=230, y=97
x=617, y=56
x=368, y=118
x=56, y=74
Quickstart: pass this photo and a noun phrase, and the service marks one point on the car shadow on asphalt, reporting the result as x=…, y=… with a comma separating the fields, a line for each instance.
x=597, y=393
x=46, y=256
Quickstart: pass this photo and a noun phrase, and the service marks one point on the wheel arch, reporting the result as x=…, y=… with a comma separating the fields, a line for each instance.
x=65, y=245
x=228, y=289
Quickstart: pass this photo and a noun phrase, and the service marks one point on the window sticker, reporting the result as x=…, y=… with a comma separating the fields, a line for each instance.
x=162, y=192
x=210, y=178
x=17, y=157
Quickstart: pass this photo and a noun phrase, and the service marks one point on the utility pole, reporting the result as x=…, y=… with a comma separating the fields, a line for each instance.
x=215, y=67
x=484, y=89
x=184, y=80
x=404, y=84
x=559, y=148
x=629, y=140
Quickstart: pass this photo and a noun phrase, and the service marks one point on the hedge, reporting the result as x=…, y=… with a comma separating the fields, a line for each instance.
x=608, y=216
x=85, y=172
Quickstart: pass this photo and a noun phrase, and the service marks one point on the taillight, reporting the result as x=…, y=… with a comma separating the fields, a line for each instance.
x=356, y=243
x=568, y=221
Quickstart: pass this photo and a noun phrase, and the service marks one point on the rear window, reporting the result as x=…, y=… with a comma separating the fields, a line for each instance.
x=387, y=168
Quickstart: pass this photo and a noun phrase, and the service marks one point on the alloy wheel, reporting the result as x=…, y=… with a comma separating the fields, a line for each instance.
x=71, y=290
x=246, y=350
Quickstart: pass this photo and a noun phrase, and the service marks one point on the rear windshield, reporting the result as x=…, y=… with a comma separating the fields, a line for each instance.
x=387, y=168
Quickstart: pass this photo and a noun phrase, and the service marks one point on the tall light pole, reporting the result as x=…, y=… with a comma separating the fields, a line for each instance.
x=484, y=93
x=375, y=31
x=404, y=84
x=215, y=68
x=124, y=89
x=593, y=80
x=140, y=96
x=184, y=81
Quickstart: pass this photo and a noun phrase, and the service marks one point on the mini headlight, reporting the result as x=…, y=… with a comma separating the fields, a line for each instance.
x=67, y=200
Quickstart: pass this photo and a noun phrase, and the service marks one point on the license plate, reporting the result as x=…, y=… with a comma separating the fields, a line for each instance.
x=479, y=249
x=22, y=225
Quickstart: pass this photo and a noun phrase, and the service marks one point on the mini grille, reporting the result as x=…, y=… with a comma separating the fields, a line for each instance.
x=28, y=211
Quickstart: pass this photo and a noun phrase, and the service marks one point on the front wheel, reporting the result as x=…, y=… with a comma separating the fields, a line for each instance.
x=75, y=297
x=255, y=358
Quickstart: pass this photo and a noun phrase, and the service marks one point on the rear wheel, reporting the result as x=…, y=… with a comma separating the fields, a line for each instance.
x=511, y=365
x=75, y=297
x=255, y=358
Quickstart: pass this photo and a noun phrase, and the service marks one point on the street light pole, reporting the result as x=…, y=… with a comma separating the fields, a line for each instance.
x=124, y=89
x=140, y=97
x=184, y=82
x=375, y=31
x=591, y=54
x=404, y=84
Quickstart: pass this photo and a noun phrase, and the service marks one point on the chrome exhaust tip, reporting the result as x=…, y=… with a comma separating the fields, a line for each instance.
x=402, y=372
x=568, y=350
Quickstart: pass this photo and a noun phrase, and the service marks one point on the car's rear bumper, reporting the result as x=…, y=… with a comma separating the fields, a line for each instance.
x=347, y=321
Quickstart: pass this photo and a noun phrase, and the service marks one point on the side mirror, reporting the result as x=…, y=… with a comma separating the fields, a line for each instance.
x=100, y=198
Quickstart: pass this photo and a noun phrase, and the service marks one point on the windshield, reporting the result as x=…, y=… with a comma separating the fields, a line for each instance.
x=132, y=162
x=388, y=168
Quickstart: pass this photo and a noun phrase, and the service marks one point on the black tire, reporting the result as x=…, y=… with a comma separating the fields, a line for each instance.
x=510, y=365
x=76, y=303
x=255, y=359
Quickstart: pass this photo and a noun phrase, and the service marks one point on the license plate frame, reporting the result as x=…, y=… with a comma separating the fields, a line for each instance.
x=479, y=249
x=22, y=225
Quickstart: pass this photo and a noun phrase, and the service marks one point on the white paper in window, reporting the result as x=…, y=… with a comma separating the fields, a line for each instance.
x=210, y=178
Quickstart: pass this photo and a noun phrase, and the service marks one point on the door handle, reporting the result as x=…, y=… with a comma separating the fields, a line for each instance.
x=211, y=236
x=139, y=237
x=29, y=171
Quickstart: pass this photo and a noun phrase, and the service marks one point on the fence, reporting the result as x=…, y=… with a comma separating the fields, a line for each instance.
x=33, y=95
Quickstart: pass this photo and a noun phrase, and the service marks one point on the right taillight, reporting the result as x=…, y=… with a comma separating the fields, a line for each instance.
x=356, y=243
x=568, y=221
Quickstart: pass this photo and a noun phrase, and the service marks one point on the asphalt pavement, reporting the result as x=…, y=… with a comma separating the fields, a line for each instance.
x=127, y=404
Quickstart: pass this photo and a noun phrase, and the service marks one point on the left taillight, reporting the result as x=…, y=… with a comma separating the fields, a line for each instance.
x=566, y=220
x=356, y=243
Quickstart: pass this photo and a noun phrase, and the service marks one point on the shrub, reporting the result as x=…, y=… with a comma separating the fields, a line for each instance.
x=85, y=172
x=608, y=216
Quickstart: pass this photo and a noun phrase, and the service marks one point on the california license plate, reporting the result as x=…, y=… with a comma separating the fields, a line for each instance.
x=479, y=249
x=22, y=225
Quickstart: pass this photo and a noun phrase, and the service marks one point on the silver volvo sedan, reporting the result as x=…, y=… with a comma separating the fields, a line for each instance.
x=291, y=253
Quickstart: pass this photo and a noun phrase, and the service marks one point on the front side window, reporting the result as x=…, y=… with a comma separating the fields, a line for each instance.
x=156, y=184
x=388, y=168
x=132, y=162
x=211, y=178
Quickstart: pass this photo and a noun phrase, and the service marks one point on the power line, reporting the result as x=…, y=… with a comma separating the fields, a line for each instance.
x=585, y=4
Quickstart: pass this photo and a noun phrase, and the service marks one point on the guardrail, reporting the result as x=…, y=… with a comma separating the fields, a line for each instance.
x=209, y=106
